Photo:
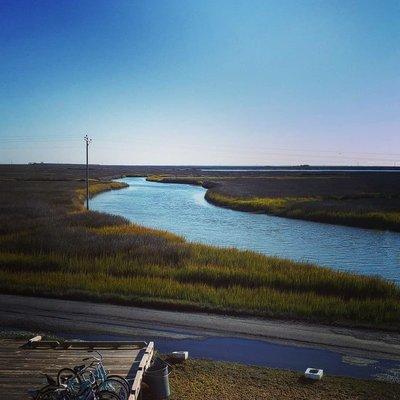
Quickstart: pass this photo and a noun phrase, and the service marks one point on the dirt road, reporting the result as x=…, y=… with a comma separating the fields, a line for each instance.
x=60, y=316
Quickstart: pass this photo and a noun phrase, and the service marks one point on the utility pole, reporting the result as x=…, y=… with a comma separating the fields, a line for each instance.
x=87, y=142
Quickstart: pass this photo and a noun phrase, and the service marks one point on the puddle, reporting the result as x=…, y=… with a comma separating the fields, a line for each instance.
x=273, y=355
x=358, y=361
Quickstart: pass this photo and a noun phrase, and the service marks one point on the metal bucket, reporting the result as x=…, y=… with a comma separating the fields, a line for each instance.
x=156, y=376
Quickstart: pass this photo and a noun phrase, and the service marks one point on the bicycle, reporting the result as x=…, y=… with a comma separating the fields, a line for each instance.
x=65, y=391
x=102, y=374
x=82, y=377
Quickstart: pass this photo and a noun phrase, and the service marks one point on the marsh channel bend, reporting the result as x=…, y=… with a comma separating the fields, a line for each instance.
x=182, y=209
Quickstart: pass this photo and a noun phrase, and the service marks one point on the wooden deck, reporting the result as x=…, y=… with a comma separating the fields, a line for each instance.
x=21, y=368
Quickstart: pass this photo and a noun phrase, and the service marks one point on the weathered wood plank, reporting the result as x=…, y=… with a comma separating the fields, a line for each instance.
x=143, y=365
x=137, y=383
x=21, y=368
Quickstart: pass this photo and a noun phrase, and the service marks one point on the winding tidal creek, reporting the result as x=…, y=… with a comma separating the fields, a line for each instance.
x=182, y=209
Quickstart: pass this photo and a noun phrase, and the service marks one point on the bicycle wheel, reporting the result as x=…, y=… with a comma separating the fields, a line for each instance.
x=121, y=379
x=52, y=393
x=67, y=376
x=64, y=375
x=107, y=395
x=42, y=390
x=115, y=386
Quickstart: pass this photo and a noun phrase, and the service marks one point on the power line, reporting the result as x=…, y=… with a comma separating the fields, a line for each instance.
x=192, y=145
x=240, y=148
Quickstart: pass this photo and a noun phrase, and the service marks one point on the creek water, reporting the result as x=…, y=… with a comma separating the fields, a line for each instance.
x=182, y=209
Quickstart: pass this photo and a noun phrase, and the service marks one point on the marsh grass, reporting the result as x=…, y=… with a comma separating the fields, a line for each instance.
x=65, y=252
x=126, y=264
x=95, y=187
x=311, y=209
x=291, y=198
x=205, y=379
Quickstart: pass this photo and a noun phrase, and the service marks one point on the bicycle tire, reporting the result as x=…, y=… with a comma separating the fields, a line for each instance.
x=107, y=395
x=73, y=378
x=115, y=386
x=42, y=390
x=49, y=393
x=71, y=373
x=121, y=379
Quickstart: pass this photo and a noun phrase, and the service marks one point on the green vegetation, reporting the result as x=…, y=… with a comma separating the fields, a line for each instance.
x=181, y=179
x=141, y=268
x=310, y=209
x=95, y=188
x=49, y=246
x=362, y=200
x=202, y=379
x=119, y=262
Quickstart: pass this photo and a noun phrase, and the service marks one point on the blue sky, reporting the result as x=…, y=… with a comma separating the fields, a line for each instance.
x=200, y=82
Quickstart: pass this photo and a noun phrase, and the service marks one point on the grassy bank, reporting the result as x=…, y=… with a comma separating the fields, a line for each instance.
x=310, y=209
x=299, y=197
x=201, y=379
x=49, y=246
x=102, y=258
x=95, y=187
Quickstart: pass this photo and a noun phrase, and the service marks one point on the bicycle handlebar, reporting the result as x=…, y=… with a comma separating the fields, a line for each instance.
x=100, y=359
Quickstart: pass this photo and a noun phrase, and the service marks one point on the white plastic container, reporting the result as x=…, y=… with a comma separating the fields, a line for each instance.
x=314, y=373
x=180, y=355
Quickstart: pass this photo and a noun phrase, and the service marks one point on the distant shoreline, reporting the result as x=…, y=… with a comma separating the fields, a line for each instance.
x=309, y=168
